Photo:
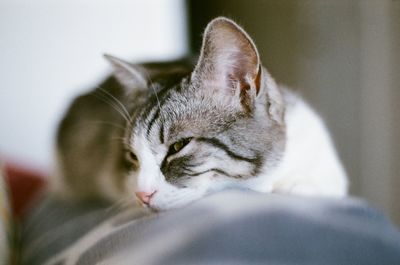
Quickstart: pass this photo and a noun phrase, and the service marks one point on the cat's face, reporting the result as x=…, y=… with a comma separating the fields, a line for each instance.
x=216, y=128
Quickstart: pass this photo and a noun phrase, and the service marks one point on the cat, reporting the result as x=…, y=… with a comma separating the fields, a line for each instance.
x=163, y=135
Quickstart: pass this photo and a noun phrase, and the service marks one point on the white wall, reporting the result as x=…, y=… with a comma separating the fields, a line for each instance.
x=52, y=50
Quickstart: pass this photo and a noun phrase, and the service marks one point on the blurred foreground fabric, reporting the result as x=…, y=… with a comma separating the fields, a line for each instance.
x=4, y=219
x=233, y=227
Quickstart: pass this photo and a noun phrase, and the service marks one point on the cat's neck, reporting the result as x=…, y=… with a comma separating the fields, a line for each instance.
x=309, y=155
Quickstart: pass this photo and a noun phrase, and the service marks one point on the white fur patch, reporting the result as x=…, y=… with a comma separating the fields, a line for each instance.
x=310, y=165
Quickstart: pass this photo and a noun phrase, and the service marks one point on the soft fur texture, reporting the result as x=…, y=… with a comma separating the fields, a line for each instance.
x=178, y=134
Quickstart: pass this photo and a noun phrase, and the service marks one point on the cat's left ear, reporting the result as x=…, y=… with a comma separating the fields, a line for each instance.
x=132, y=77
x=229, y=61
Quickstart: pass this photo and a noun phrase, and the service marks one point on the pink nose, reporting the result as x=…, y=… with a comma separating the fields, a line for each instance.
x=144, y=196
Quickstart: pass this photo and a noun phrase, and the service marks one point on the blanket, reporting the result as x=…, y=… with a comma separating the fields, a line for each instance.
x=232, y=227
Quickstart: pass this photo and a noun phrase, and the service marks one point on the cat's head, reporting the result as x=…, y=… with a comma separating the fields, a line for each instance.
x=218, y=127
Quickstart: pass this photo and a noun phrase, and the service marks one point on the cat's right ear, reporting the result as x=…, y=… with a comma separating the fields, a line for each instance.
x=129, y=75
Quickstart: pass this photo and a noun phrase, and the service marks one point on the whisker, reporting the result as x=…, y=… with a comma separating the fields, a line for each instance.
x=110, y=103
x=94, y=123
x=155, y=93
x=123, y=108
x=122, y=139
x=106, y=97
x=108, y=123
x=154, y=90
x=121, y=204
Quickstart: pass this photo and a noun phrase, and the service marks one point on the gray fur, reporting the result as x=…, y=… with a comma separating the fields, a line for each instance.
x=227, y=104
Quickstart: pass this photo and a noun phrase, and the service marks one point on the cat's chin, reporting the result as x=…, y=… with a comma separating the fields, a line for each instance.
x=164, y=207
x=164, y=203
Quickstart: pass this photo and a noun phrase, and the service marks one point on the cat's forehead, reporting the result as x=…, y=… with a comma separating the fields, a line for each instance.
x=180, y=111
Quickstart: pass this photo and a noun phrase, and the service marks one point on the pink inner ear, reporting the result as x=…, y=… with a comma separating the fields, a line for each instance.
x=257, y=80
x=240, y=67
x=240, y=75
x=230, y=60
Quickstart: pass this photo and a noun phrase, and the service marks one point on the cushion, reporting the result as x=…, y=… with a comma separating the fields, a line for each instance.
x=4, y=220
x=24, y=184
x=232, y=227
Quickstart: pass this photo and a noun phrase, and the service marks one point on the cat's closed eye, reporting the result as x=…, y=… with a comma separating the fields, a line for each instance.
x=131, y=157
x=178, y=146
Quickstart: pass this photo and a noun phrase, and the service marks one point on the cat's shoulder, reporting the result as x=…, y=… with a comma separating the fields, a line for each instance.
x=290, y=96
x=298, y=112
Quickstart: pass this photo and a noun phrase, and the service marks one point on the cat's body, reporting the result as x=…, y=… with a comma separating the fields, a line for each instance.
x=171, y=133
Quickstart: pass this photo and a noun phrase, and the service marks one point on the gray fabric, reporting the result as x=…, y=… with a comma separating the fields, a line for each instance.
x=53, y=225
x=234, y=227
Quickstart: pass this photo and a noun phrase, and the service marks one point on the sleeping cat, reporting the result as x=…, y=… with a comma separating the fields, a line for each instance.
x=167, y=134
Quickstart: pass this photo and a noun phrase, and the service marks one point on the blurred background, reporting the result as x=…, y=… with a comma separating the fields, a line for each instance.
x=342, y=56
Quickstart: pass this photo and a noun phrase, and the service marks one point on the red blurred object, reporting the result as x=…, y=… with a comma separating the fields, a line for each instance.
x=24, y=185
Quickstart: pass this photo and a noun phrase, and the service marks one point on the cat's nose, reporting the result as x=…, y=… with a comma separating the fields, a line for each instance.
x=144, y=196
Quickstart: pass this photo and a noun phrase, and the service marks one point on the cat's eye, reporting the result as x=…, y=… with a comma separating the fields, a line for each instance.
x=130, y=156
x=179, y=145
